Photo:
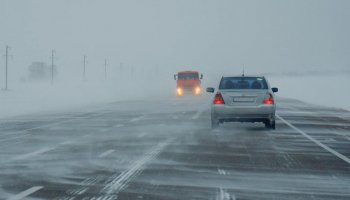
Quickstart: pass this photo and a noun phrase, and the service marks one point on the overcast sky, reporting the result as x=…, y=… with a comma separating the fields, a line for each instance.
x=265, y=35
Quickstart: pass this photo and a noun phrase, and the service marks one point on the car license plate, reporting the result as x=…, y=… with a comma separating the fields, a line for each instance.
x=243, y=99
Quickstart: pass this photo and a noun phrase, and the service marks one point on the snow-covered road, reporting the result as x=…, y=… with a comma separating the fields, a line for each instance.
x=165, y=149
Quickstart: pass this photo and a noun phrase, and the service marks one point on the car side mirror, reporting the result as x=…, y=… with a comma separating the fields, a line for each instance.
x=210, y=90
x=274, y=90
x=175, y=77
x=201, y=76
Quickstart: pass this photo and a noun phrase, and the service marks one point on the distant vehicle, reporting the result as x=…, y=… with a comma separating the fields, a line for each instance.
x=244, y=99
x=40, y=71
x=188, y=82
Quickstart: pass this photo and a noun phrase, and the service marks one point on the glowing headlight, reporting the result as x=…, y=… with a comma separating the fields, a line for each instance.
x=198, y=90
x=179, y=91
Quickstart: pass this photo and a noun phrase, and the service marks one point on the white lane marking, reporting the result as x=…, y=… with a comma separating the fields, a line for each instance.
x=119, y=182
x=26, y=193
x=28, y=155
x=196, y=116
x=223, y=195
x=221, y=171
x=106, y=153
x=332, y=151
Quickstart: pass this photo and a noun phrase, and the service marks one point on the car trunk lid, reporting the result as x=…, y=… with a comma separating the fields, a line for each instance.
x=243, y=97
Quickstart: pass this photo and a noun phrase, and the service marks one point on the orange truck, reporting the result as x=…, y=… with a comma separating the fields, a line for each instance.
x=188, y=82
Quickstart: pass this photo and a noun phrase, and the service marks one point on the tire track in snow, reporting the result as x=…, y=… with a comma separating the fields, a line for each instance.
x=118, y=183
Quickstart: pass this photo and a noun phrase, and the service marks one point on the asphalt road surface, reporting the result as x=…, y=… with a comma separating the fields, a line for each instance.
x=165, y=149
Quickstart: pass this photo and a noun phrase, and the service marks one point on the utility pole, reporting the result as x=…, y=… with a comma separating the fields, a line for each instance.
x=84, y=72
x=243, y=73
x=6, y=66
x=132, y=70
x=52, y=65
x=106, y=69
x=121, y=69
x=157, y=70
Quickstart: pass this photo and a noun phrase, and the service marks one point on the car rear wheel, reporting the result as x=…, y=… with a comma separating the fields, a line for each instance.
x=214, y=124
x=270, y=124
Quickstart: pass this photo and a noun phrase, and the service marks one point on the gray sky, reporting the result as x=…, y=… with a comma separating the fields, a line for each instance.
x=269, y=35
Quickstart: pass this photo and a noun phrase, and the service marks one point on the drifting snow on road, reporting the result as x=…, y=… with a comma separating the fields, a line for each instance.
x=172, y=153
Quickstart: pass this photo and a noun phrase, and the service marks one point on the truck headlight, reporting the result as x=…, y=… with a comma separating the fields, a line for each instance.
x=197, y=90
x=179, y=91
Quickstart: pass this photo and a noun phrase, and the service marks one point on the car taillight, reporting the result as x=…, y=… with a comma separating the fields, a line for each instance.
x=218, y=99
x=269, y=100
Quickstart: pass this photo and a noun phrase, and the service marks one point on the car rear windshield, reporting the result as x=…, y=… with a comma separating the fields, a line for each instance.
x=188, y=76
x=254, y=83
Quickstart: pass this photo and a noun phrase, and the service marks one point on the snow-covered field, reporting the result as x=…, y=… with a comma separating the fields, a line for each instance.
x=330, y=91
x=25, y=98
x=28, y=98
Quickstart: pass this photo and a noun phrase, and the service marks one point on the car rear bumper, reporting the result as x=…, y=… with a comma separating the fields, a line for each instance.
x=259, y=113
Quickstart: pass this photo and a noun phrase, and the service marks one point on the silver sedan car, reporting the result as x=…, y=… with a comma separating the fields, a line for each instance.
x=243, y=99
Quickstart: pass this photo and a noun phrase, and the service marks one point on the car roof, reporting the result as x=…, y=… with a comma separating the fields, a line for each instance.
x=250, y=76
x=185, y=72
